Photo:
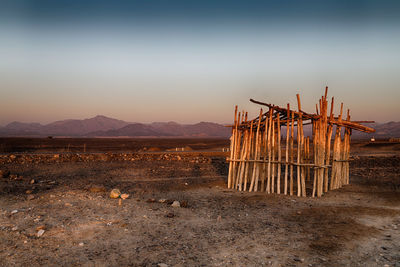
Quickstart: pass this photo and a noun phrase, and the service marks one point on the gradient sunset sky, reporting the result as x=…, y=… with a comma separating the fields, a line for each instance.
x=191, y=61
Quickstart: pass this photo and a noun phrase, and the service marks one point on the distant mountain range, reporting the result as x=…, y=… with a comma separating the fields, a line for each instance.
x=101, y=126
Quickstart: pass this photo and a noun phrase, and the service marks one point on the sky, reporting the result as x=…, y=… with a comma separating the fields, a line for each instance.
x=191, y=61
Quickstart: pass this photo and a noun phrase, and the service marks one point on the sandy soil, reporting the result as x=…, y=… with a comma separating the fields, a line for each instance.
x=357, y=225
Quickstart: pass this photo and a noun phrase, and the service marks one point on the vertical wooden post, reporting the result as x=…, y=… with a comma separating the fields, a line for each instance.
x=278, y=177
x=232, y=149
x=291, y=153
x=271, y=111
x=298, y=148
x=287, y=149
x=254, y=178
x=249, y=156
x=273, y=144
x=328, y=147
x=265, y=154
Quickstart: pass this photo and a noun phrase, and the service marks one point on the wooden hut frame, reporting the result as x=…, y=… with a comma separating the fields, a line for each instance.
x=261, y=160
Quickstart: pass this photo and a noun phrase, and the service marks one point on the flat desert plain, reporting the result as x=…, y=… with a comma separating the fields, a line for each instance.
x=55, y=208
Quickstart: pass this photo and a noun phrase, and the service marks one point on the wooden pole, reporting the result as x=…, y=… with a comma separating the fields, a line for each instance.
x=278, y=178
x=291, y=153
x=273, y=144
x=265, y=154
x=249, y=155
x=287, y=150
x=254, y=178
x=232, y=149
x=271, y=111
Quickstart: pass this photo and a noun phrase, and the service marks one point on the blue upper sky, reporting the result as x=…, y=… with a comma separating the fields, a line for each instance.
x=194, y=60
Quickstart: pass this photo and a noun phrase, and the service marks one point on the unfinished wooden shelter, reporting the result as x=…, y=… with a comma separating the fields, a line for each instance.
x=271, y=153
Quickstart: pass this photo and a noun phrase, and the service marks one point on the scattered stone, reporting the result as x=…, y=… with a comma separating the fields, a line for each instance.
x=151, y=200
x=14, y=211
x=28, y=192
x=32, y=181
x=176, y=204
x=30, y=197
x=219, y=218
x=162, y=265
x=41, y=227
x=115, y=193
x=40, y=233
x=15, y=228
x=163, y=200
x=170, y=215
x=124, y=196
x=68, y=204
x=81, y=244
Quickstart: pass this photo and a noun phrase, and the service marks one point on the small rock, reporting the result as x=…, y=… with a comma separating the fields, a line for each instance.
x=14, y=211
x=28, y=192
x=219, y=218
x=40, y=233
x=15, y=228
x=68, y=204
x=115, y=193
x=162, y=265
x=151, y=200
x=32, y=181
x=81, y=244
x=170, y=215
x=124, y=196
x=176, y=204
x=30, y=197
x=163, y=200
x=41, y=227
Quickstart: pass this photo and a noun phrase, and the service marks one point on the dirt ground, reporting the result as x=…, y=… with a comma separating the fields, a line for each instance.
x=67, y=196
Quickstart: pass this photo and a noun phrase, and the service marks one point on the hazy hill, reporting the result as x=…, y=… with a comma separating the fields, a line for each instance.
x=82, y=127
x=64, y=127
x=109, y=127
x=202, y=129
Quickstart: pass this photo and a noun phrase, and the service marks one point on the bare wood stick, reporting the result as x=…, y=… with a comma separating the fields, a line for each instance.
x=254, y=179
x=244, y=154
x=291, y=153
x=315, y=136
x=247, y=166
x=232, y=149
x=265, y=154
x=273, y=157
x=237, y=153
x=278, y=183
x=328, y=148
x=271, y=111
x=287, y=151
x=298, y=148
x=302, y=174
